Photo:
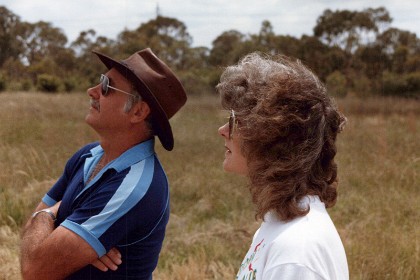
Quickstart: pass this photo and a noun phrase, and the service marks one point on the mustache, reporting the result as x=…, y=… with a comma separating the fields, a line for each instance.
x=95, y=104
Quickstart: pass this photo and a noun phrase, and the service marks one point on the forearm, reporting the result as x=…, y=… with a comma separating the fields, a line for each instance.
x=44, y=257
x=34, y=234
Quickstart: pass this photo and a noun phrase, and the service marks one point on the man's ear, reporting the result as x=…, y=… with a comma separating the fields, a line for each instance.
x=141, y=111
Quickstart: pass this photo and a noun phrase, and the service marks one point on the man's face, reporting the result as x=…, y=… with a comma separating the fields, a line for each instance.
x=106, y=113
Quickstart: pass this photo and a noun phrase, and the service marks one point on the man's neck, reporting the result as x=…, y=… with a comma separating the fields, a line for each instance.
x=115, y=147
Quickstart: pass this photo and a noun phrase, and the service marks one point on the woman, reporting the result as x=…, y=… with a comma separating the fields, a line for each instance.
x=281, y=135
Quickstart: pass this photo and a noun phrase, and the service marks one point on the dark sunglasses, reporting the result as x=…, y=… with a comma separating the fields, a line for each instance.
x=104, y=81
x=232, y=123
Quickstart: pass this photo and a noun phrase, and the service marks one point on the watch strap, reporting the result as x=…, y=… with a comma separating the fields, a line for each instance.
x=48, y=211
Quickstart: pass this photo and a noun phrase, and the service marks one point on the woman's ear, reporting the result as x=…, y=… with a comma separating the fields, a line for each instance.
x=140, y=112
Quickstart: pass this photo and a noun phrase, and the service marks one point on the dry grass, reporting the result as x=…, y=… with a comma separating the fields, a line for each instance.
x=378, y=211
x=212, y=222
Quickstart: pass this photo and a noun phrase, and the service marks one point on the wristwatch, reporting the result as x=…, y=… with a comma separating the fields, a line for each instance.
x=48, y=211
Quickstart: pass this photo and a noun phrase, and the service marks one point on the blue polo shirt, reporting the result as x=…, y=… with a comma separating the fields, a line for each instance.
x=126, y=205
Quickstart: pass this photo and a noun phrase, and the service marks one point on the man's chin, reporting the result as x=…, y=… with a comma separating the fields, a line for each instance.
x=88, y=119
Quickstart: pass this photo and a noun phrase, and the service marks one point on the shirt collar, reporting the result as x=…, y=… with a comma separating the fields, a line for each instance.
x=303, y=203
x=133, y=155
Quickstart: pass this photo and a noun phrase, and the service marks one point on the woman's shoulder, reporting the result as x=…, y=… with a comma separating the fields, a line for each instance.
x=310, y=231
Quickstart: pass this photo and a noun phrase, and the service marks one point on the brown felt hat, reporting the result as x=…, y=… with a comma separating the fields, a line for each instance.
x=157, y=85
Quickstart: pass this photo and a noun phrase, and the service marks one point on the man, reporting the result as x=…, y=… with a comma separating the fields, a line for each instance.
x=105, y=218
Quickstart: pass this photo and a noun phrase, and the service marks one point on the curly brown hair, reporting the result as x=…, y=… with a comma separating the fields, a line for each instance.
x=288, y=126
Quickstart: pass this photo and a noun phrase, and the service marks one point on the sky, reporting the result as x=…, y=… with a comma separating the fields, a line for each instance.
x=204, y=19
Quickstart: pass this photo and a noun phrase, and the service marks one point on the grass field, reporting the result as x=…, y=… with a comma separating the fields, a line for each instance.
x=212, y=219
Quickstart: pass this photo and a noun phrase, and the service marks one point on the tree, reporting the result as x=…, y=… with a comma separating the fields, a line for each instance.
x=287, y=45
x=224, y=46
x=374, y=60
x=197, y=58
x=313, y=52
x=399, y=46
x=393, y=38
x=39, y=40
x=351, y=29
x=266, y=37
x=413, y=63
x=88, y=41
x=87, y=66
x=9, y=46
x=167, y=37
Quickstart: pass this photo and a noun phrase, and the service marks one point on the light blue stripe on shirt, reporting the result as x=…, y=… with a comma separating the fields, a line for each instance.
x=129, y=193
x=48, y=200
x=86, y=235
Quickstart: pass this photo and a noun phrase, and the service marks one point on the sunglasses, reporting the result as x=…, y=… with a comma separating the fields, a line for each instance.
x=232, y=123
x=104, y=81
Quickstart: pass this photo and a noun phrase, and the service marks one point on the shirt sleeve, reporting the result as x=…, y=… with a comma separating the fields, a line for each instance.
x=126, y=203
x=291, y=272
x=56, y=193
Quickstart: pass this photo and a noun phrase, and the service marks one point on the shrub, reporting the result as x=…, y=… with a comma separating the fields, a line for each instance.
x=336, y=84
x=413, y=84
x=362, y=86
x=196, y=82
x=48, y=83
x=26, y=85
x=407, y=85
x=392, y=84
x=2, y=83
x=69, y=85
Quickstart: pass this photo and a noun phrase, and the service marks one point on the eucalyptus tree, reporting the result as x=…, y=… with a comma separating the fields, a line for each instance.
x=351, y=29
x=9, y=46
x=167, y=37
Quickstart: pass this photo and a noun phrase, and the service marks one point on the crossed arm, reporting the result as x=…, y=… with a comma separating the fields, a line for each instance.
x=48, y=253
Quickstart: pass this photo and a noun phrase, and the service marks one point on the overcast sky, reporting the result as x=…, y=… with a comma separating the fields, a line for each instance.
x=205, y=19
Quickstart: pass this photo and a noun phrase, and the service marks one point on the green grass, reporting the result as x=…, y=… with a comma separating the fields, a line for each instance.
x=212, y=219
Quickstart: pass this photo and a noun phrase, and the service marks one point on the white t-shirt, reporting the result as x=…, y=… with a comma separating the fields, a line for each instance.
x=307, y=248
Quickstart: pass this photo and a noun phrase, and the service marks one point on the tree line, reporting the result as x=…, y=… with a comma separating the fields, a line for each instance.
x=353, y=52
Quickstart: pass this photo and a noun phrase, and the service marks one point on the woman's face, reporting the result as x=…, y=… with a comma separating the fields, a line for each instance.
x=235, y=161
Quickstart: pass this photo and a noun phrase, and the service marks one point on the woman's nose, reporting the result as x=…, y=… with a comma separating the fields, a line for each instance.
x=224, y=130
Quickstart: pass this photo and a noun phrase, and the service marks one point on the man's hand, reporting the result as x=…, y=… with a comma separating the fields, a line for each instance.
x=110, y=260
x=42, y=246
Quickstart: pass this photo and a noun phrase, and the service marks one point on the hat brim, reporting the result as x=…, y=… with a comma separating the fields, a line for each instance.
x=161, y=125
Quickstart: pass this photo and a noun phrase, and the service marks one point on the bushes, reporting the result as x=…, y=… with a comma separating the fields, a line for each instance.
x=198, y=82
x=413, y=82
x=203, y=81
x=48, y=83
x=26, y=85
x=69, y=85
x=2, y=83
x=336, y=84
x=407, y=85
